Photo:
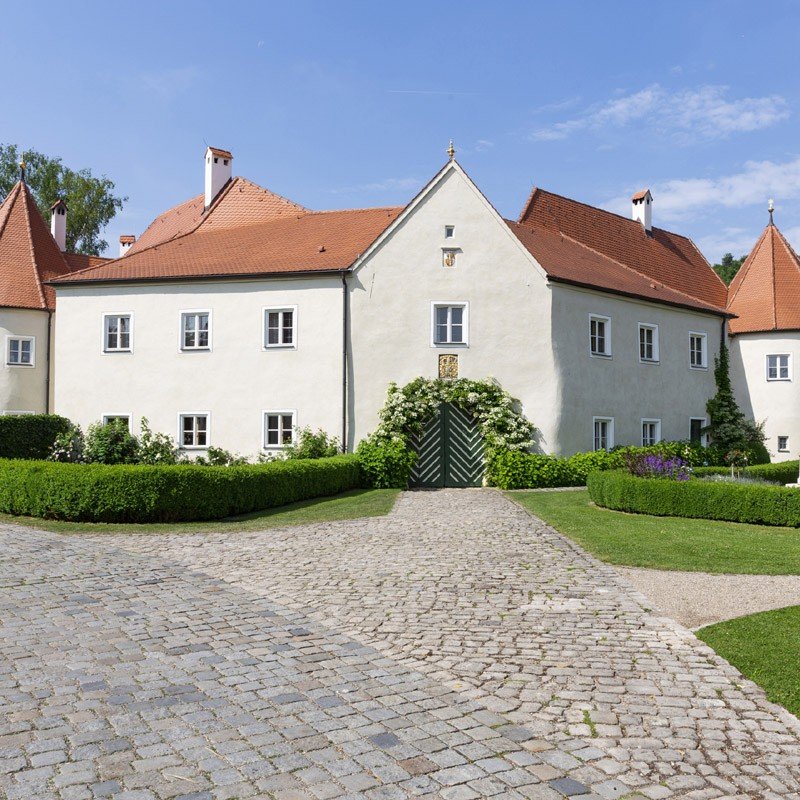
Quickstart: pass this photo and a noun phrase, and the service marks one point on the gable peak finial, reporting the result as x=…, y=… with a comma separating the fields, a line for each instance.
x=771, y=208
x=22, y=166
x=451, y=151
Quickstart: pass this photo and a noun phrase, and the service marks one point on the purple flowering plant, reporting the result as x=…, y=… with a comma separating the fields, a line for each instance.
x=657, y=466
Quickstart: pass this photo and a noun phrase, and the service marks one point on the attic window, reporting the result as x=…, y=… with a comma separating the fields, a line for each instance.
x=449, y=231
x=225, y=162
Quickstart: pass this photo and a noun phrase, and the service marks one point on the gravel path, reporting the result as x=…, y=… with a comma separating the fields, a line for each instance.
x=457, y=648
x=697, y=599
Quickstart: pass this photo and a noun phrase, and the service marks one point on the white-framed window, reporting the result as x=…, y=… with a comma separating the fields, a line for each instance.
x=783, y=444
x=603, y=433
x=280, y=327
x=449, y=231
x=195, y=330
x=20, y=351
x=698, y=350
x=648, y=342
x=651, y=432
x=449, y=323
x=600, y=336
x=194, y=430
x=779, y=367
x=278, y=429
x=696, y=435
x=118, y=333
x=112, y=417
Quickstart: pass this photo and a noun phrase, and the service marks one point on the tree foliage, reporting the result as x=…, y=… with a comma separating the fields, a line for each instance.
x=728, y=267
x=91, y=201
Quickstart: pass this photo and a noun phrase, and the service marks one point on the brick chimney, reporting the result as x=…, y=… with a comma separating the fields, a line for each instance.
x=125, y=244
x=219, y=166
x=58, y=223
x=642, y=209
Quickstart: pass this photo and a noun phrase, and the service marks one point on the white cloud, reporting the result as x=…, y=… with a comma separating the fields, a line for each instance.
x=757, y=181
x=387, y=185
x=685, y=115
x=737, y=241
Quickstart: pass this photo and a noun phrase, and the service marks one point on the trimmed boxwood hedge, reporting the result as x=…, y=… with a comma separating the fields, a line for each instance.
x=178, y=493
x=754, y=503
x=30, y=435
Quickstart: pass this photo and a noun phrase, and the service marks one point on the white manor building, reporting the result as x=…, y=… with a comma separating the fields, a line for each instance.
x=240, y=315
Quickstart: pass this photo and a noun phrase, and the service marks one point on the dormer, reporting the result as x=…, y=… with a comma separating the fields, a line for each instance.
x=219, y=167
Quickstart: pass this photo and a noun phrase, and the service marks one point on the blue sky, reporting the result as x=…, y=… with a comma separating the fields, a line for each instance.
x=352, y=103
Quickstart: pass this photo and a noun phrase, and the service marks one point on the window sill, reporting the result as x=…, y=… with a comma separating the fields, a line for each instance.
x=650, y=361
x=24, y=366
x=606, y=356
x=779, y=380
x=698, y=369
x=116, y=352
x=195, y=350
x=460, y=345
x=279, y=347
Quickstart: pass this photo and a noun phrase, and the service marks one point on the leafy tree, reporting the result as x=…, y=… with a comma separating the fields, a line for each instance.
x=91, y=201
x=728, y=267
x=730, y=430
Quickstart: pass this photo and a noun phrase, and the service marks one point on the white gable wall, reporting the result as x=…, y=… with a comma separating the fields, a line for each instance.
x=234, y=382
x=23, y=389
x=509, y=308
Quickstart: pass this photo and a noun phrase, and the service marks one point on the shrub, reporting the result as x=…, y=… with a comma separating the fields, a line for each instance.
x=184, y=492
x=782, y=472
x=384, y=463
x=111, y=443
x=30, y=435
x=654, y=465
x=156, y=448
x=313, y=444
x=68, y=446
x=756, y=504
x=219, y=457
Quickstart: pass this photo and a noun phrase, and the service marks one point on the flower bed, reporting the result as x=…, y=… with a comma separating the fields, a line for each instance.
x=179, y=493
x=753, y=503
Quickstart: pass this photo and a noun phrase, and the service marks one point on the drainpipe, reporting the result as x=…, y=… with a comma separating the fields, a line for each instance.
x=47, y=365
x=344, y=361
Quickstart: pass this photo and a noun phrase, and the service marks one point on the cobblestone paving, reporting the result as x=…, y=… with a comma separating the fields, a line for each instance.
x=457, y=648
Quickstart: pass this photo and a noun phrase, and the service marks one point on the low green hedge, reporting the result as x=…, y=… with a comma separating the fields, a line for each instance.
x=754, y=503
x=513, y=469
x=782, y=472
x=30, y=435
x=184, y=492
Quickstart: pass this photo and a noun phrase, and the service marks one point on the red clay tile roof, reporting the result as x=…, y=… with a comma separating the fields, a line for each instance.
x=127, y=239
x=646, y=264
x=239, y=203
x=640, y=195
x=29, y=255
x=217, y=152
x=765, y=294
x=305, y=242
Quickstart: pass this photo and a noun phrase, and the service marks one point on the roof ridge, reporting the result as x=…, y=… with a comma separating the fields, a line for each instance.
x=740, y=276
x=343, y=210
x=650, y=278
x=34, y=265
x=528, y=202
x=16, y=187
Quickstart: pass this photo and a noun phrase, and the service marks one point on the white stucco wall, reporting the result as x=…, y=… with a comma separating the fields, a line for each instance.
x=23, y=388
x=509, y=308
x=234, y=382
x=776, y=403
x=621, y=386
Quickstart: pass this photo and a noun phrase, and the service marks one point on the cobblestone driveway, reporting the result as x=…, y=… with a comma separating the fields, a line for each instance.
x=457, y=648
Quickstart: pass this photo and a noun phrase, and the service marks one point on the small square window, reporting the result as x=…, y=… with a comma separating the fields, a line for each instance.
x=278, y=428
x=651, y=432
x=778, y=367
x=194, y=430
x=449, y=324
x=648, y=343
x=279, y=327
x=783, y=444
x=600, y=336
x=20, y=351
x=195, y=330
x=449, y=231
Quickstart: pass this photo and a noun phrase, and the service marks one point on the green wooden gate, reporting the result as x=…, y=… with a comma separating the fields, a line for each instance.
x=450, y=450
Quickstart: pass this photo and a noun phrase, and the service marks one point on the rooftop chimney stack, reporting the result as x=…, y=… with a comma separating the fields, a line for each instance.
x=125, y=244
x=642, y=209
x=58, y=223
x=219, y=166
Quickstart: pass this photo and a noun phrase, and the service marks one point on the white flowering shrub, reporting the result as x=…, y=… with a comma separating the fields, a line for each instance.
x=498, y=414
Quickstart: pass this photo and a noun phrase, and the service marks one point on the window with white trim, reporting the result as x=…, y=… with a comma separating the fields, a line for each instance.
x=698, y=351
x=696, y=435
x=112, y=419
x=449, y=231
x=194, y=430
x=783, y=444
x=603, y=433
x=117, y=333
x=278, y=428
x=648, y=342
x=450, y=323
x=599, y=336
x=778, y=367
x=20, y=351
x=195, y=330
x=279, y=327
x=651, y=432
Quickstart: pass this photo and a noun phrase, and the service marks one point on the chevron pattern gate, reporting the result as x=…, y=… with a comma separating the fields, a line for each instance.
x=450, y=450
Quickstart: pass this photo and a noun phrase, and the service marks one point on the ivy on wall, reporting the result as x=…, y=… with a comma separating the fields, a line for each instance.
x=498, y=414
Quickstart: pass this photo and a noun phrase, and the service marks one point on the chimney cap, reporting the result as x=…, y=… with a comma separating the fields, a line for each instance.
x=219, y=152
x=58, y=204
x=127, y=239
x=641, y=195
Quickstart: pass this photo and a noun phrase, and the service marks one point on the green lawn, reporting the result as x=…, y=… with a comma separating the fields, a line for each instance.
x=350, y=505
x=693, y=545
x=764, y=647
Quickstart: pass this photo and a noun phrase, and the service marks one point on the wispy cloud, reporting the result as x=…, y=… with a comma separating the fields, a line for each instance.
x=689, y=114
x=757, y=181
x=387, y=185
x=736, y=241
x=168, y=83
